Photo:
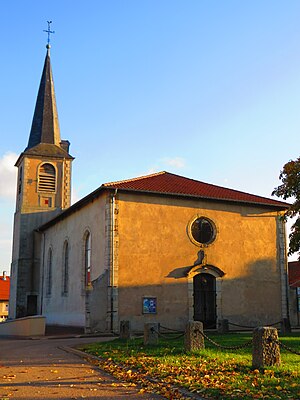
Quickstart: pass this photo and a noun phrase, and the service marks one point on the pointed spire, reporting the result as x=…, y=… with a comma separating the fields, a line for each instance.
x=45, y=125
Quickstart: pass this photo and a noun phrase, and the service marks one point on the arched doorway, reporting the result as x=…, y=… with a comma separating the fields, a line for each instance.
x=204, y=286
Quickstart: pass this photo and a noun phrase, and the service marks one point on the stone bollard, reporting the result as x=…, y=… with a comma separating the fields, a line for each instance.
x=125, y=330
x=193, y=340
x=285, y=326
x=151, y=333
x=223, y=326
x=266, y=351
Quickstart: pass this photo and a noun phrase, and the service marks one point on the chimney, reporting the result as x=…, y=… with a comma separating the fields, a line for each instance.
x=4, y=275
x=65, y=144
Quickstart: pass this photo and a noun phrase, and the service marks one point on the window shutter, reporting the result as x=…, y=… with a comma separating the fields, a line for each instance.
x=47, y=178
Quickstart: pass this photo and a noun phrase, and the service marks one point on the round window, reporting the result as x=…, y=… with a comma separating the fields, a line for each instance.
x=203, y=230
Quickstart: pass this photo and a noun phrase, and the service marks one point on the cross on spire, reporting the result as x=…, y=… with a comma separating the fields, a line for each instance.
x=49, y=32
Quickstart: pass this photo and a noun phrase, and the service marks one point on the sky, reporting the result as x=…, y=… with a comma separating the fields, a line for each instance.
x=201, y=88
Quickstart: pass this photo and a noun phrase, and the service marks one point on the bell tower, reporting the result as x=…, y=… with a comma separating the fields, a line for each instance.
x=43, y=191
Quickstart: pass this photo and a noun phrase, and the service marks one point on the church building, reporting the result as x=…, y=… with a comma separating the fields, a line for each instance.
x=157, y=248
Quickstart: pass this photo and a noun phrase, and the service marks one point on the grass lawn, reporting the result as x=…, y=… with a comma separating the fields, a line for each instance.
x=212, y=373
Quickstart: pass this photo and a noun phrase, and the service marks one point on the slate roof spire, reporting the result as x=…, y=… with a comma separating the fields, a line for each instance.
x=45, y=124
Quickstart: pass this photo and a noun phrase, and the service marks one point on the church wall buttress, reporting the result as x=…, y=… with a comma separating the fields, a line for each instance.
x=111, y=260
x=66, y=184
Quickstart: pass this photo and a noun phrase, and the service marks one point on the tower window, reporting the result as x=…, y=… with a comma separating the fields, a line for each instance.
x=20, y=181
x=47, y=178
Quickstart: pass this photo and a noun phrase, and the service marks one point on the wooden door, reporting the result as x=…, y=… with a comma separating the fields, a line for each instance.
x=205, y=299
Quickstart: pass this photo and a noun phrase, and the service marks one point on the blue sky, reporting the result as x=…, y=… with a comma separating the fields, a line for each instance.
x=205, y=89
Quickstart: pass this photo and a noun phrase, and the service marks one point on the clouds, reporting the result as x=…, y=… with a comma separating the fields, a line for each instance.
x=74, y=195
x=171, y=164
x=176, y=162
x=8, y=175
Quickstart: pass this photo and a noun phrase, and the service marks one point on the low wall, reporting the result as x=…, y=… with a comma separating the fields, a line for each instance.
x=27, y=326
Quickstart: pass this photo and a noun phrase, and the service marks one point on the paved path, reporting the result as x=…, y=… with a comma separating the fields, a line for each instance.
x=39, y=369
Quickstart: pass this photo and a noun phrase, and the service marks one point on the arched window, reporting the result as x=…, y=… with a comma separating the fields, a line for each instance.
x=49, y=273
x=87, y=258
x=65, y=283
x=47, y=178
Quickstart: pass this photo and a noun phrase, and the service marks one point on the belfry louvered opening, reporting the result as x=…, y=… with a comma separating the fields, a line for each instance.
x=47, y=178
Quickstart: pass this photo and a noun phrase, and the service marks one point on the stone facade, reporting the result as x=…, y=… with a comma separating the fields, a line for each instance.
x=141, y=248
x=33, y=208
x=81, y=305
x=155, y=255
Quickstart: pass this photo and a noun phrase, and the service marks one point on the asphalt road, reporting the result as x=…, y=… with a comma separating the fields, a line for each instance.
x=40, y=369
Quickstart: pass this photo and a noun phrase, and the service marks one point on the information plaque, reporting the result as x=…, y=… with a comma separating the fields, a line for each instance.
x=149, y=305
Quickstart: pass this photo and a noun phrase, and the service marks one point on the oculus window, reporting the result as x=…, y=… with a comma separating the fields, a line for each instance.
x=202, y=231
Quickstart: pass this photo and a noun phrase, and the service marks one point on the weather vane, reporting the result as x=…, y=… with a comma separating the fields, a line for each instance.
x=49, y=32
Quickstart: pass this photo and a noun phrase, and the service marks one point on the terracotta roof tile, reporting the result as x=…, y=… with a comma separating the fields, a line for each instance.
x=294, y=273
x=167, y=183
x=4, y=288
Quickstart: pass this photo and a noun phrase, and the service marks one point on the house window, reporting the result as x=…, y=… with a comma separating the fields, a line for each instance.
x=47, y=178
x=87, y=258
x=65, y=284
x=49, y=273
x=202, y=231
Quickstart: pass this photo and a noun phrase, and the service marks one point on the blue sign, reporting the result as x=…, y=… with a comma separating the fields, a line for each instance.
x=149, y=305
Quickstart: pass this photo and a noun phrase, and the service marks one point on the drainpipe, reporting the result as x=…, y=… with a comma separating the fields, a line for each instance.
x=286, y=274
x=42, y=273
x=112, y=280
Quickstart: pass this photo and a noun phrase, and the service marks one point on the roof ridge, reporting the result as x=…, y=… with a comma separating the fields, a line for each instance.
x=225, y=188
x=135, y=179
x=234, y=192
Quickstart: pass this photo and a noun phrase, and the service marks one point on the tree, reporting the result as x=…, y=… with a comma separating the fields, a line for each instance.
x=290, y=188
